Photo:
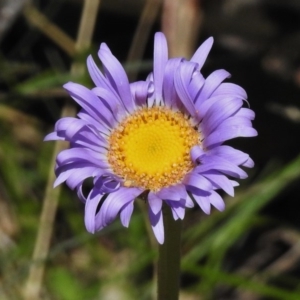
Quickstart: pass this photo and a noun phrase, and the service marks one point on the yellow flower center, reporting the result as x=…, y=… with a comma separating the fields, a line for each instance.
x=151, y=148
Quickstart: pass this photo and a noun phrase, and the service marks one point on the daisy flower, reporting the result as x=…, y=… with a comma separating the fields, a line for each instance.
x=162, y=138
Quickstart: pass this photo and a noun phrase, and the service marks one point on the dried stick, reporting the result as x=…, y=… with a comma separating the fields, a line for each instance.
x=40, y=21
x=33, y=285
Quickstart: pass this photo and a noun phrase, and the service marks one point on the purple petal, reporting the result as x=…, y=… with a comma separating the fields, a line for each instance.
x=149, y=78
x=189, y=202
x=126, y=213
x=96, y=124
x=235, y=121
x=203, y=202
x=181, y=81
x=230, y=89
x=174, y=193
x=249, y=163
x=178, y=208
x=202, y=52
x=230, y=154
x=234, y=183
x=160, y=60
x=217, y=201
x=246, y=113
x=157, y=225
x=220, y=181
x=107, y=183
x=196, y=152
x=196, y=85
x=90, y=103
x=116, y=76
x=155, y=203
x=84, y=170
x=169, y=94
x=76, y=178
x=74, y=128
x=80, y=194
x=87, y=139
x=203, y=107
x=103, y=46
x=227, y=133
x=211, y=83
x=219, y=112
x=78, y=131
x=197, y=181
x=213, y=162
x=113, y=204
x=97, y=76
x=80, y=155
x=90, y=210
x=53, y=136
x=64, y=123
x=140, y=91
x=112, y=102
x=174, y=214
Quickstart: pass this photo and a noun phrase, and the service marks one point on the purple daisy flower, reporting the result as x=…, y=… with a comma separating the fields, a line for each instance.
x=162, y=137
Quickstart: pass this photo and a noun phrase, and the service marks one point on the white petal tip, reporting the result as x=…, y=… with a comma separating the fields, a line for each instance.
x=56, y=184
x=161, y=241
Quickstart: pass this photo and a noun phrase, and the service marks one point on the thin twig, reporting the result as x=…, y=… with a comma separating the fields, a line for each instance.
x=33, y=285
x=40, y=21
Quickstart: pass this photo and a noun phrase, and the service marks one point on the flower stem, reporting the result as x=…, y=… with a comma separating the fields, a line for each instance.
x=169, y=258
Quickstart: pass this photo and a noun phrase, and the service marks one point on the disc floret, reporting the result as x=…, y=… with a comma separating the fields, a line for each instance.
x=151, y=148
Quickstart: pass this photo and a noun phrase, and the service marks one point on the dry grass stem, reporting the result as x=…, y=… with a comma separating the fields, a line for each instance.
x=41, y=22
x=33, y=285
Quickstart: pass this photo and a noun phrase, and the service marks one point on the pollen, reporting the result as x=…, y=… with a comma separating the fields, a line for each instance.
x=151, y=148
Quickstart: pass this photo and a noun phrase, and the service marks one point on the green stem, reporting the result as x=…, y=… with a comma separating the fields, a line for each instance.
x=169, y=258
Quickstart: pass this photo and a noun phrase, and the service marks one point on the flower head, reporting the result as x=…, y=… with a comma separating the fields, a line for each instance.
x=163, y=136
